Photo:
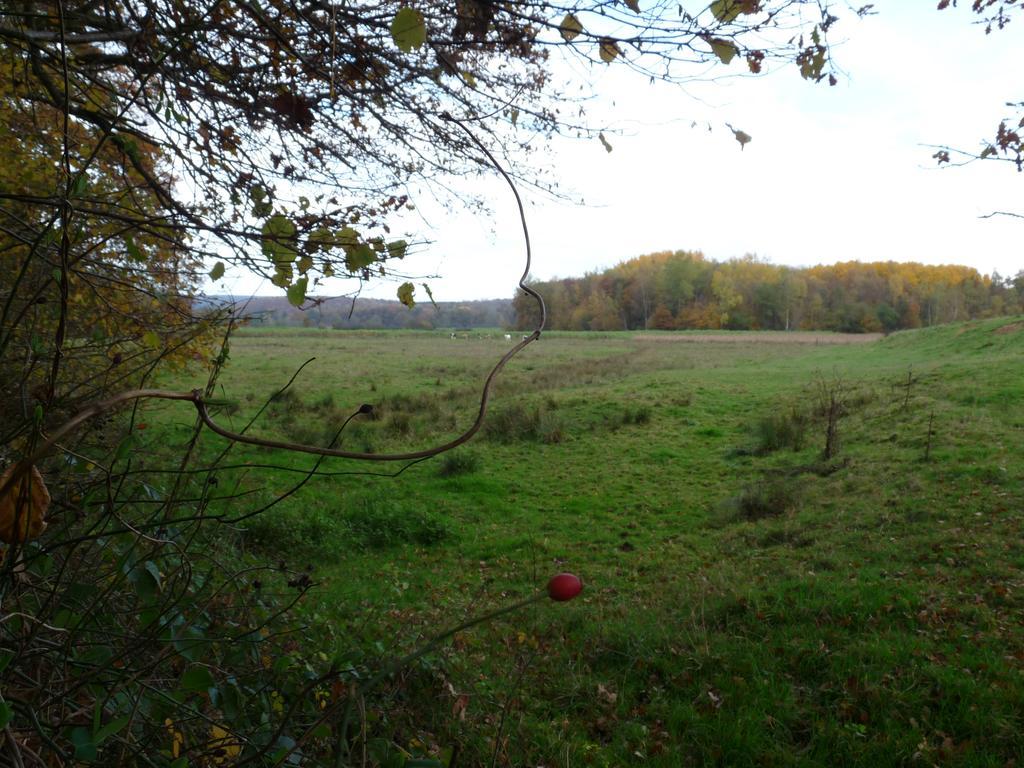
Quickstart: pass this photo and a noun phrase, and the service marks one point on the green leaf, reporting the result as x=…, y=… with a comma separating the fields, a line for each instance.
x=725, y=50
x=134, y=253
x=423, y=762
x=153, y=571
x=181, y=762
x=217, y=272
x=6, y=713
x=304, y=264
x=348, y=238
x=79, y=186
x=359, y=257
x=726, y=10
x=151, y=339
x=397, y=249
x=408, y=30
x=146, y=579
x=282, y=276
x=277, y=232
x=323, y=239
x=261, y=206
x=85, y=750
x=609, y=49
x=196, y=679
x=405, y=292
x=812, y=65
x=430, y=295
x=570, y=27
x=124, y=448
x=280, y=226
x=109, y=729
x=297, y=292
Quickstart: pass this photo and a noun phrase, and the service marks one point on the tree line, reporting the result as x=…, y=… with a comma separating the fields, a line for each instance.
x=345, y=314
x=684, y=290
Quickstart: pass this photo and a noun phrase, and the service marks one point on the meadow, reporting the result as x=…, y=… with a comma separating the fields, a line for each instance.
x=748, y=600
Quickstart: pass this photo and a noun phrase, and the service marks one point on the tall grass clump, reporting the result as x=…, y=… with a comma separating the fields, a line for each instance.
x=380, y=523
x=767, y=497
x=520, y=422
x=641, y=414
x=461, y=462
x=783, y=429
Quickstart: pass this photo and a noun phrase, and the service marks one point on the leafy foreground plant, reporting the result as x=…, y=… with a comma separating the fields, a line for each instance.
x=133, y=649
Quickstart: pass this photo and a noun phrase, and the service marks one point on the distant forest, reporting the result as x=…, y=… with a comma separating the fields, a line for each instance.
x=683, y=290
x=341, y=312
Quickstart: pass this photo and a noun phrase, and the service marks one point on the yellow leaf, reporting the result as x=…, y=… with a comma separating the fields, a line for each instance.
x=276, y=702
x=725, y=50
x=177, y=738
x=609, y=50
x=570, y=27
x=405, y=294
x=224, y=747
x=726, y=10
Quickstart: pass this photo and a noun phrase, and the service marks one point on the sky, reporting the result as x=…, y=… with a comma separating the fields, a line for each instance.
x=831, y=174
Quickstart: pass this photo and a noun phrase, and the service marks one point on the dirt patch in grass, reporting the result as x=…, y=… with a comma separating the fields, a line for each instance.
x=1010, y=328
x=764, y=337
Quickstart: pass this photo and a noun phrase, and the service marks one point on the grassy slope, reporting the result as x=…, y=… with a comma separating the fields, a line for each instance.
x=877, y=619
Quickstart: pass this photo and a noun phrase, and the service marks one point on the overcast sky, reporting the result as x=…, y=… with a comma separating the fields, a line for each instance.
x=832, y=174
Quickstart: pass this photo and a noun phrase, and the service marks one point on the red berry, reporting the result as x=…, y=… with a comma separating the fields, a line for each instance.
x=564, y=586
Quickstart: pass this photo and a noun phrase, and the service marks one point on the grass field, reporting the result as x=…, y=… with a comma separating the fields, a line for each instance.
x=747, y=601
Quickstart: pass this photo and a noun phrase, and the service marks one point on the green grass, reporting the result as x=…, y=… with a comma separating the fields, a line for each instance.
x=746, y=603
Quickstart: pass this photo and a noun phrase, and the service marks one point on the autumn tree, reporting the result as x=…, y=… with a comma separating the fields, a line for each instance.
x=747, y=293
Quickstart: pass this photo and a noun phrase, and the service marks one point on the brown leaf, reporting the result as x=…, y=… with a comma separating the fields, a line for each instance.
x=21, y=509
